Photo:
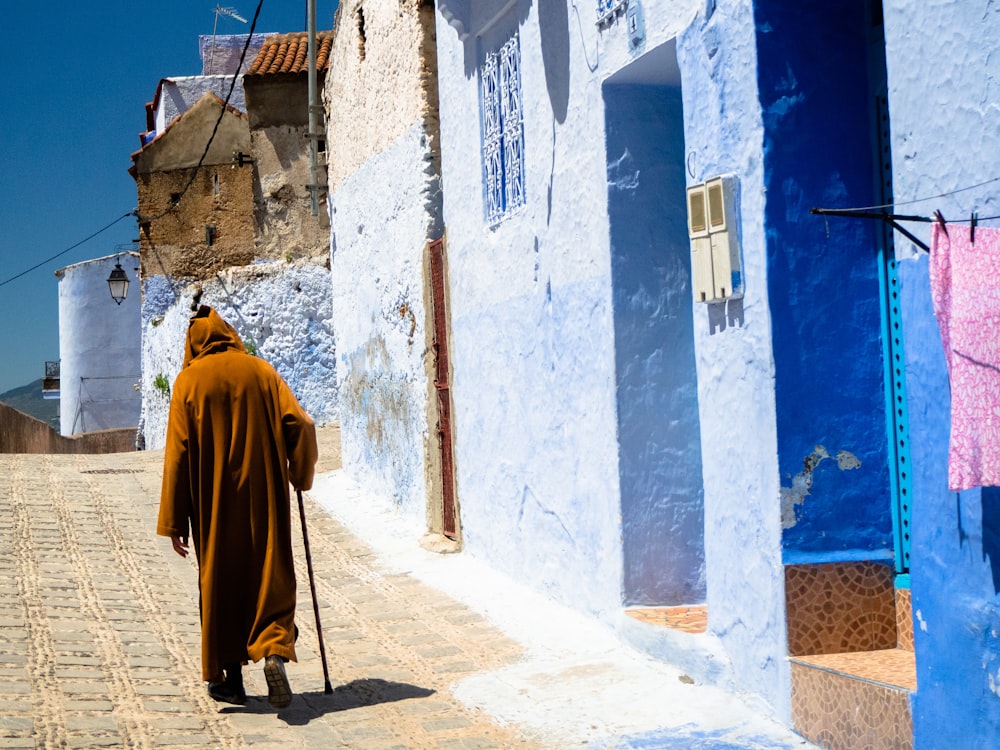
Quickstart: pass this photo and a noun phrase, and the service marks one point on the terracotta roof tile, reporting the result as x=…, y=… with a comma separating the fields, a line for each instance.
x=289, y=53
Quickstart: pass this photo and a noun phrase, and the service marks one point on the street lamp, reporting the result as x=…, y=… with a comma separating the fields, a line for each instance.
x=118, y=283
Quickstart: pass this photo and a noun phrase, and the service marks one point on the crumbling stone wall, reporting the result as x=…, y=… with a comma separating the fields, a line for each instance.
x=266, y=269
x=211, y=228
x=383, y=80
x=279, y=125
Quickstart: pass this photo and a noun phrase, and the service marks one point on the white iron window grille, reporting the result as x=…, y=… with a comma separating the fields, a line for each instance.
x=503, y=131
x=606, y=9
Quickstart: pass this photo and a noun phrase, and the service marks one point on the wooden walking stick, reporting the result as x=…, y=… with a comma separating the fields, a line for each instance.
x=327, y=687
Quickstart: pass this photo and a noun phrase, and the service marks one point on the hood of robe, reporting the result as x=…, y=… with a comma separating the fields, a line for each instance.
x=208, y=334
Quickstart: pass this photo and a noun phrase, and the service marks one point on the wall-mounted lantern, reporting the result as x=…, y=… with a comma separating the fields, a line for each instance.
x=118, y=283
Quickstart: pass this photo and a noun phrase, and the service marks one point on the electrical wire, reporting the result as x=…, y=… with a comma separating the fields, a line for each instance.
x=924, y=200
x=175, y=202
x=71, y=247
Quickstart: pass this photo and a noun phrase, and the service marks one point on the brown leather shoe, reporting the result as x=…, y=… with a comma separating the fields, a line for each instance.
x=226, y=693
x=231, y=689
x=279, y=692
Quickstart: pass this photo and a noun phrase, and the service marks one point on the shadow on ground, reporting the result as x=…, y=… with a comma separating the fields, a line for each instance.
x=357, y=694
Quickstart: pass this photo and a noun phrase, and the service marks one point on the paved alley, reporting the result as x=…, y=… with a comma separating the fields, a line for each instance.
x=99, y=640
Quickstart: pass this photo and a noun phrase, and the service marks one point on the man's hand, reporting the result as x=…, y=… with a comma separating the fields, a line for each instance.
x=180, y=545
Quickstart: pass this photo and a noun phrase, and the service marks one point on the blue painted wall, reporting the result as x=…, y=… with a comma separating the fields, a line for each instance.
x=656, y=384
x=945, y=122
x=956, y=555
x=823, y=284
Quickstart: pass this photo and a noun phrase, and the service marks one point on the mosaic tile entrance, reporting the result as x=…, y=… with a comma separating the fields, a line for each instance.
x=840, y=712
x=837, y=607
x=850, y=642
x=686, y=619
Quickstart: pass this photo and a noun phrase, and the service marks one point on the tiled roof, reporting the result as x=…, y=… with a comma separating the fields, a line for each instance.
x=288, y=53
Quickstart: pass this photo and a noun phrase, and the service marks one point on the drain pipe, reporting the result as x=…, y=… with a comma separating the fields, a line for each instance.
x=315, y=110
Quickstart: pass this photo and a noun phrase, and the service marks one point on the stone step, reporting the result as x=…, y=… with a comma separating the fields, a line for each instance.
x=854, y=700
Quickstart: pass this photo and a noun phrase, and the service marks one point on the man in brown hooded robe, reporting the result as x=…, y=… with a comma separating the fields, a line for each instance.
x=236, y=438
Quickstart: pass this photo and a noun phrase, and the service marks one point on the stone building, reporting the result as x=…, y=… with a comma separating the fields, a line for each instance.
x=196, y=209
x=237, y=233
x=277, y=95
x=220, y=55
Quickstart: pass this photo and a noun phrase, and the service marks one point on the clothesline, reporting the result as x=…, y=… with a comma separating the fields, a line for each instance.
x=863, y=213
x=929, y=198
x=894, y=219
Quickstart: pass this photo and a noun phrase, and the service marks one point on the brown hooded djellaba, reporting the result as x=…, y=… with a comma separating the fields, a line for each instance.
x=236, y=437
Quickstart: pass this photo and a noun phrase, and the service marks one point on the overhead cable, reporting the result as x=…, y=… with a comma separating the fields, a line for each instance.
x=71, y=247
x=175, y=201
x=924, y=200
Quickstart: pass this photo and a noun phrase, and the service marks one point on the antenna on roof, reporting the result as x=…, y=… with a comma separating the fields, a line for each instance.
x=220, y=11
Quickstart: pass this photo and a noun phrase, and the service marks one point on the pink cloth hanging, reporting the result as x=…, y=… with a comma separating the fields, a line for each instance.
x=965, y=286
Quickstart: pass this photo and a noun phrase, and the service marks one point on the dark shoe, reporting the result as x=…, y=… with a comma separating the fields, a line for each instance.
x=279, y=692
x=225, y=692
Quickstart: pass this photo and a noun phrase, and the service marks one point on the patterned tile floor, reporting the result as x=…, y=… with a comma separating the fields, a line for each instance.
x=894, y=666
x=686, y=619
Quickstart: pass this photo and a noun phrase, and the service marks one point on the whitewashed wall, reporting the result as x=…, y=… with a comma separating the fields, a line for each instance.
x=533, y=345
x=381, y=222
x=99, y=348
x=746, y=597
x=282, y=309
x=532, y=332
x=178, y=95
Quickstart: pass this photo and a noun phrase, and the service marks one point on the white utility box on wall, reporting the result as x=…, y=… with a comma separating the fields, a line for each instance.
x=713, y=226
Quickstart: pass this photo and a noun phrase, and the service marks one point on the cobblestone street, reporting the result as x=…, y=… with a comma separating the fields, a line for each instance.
x=100, y=643
x=99, y=635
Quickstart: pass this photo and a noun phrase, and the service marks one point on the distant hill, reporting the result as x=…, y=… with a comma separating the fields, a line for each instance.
x=28, y=399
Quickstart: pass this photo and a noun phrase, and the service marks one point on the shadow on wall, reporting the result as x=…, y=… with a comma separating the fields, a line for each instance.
x=725, y=314
x=659, y=435
x=991, y=532
x=553, y=23
x=473, y=19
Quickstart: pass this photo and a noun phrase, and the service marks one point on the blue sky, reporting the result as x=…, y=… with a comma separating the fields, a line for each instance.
x=76, y=80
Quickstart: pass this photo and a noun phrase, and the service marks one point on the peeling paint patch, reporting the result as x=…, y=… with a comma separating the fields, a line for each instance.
x=995, y=683
x=802, y=482
x=847, y=461
x=920, y=619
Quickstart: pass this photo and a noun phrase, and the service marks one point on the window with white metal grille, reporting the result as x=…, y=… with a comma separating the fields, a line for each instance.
x=607, y=9
x=503, y=131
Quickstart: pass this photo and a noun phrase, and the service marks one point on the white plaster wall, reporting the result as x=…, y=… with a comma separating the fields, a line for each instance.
x=532, y=346
x=283, y=309
x=724, y=134
x=178, y=95
x=98, y=347
x=381, y=223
